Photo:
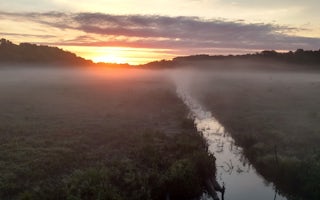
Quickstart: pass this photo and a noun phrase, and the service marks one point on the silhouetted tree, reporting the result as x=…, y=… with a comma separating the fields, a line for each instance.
x=39, y=54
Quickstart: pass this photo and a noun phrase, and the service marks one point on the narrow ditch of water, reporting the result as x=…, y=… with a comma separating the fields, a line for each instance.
x=241, y=180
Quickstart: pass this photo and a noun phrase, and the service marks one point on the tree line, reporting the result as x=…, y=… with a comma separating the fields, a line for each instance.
x=37, y=54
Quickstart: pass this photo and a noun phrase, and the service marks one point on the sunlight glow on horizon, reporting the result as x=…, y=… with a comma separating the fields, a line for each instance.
x=120, y=55
x=110, y=58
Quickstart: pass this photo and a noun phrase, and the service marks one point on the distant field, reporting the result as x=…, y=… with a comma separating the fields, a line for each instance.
x=275, y=116
x=89, y=134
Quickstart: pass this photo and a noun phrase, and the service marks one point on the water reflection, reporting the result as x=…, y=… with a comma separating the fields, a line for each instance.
x=241, y=180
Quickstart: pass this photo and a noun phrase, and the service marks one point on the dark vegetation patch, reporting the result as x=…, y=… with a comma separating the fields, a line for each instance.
x=90, y=135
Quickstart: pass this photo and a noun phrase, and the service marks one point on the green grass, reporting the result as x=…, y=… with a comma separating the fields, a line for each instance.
x=97, y=135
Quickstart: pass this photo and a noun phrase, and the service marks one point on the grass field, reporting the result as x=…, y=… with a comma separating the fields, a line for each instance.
x=97, y=134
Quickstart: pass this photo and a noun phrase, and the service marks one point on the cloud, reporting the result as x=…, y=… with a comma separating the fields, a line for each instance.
x=154, y=31
x=26, y=35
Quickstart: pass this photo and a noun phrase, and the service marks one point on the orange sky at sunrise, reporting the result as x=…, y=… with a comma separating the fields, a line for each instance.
x=136, y=32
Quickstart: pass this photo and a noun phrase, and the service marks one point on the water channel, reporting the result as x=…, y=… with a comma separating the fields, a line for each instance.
x=241, y=180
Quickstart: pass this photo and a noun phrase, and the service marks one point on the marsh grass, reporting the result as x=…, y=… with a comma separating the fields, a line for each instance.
x=72, y=136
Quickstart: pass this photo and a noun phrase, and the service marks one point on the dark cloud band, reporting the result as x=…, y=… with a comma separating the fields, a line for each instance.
x=153, y=31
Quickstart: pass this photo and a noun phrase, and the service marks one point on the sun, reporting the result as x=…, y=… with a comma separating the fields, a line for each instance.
x=110, y=58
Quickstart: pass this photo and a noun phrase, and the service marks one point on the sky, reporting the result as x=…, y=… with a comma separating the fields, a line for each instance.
x=135, y=32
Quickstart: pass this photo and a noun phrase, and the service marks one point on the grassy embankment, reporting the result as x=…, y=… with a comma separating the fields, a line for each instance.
x=275, y=117
x=87, y=135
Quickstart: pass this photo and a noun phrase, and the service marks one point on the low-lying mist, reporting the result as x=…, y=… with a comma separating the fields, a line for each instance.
x=272, y=114
x=263, y=110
